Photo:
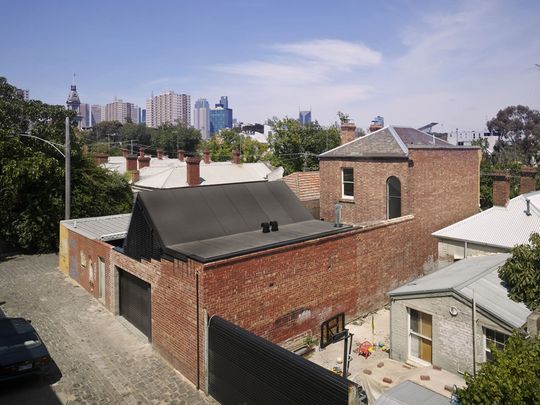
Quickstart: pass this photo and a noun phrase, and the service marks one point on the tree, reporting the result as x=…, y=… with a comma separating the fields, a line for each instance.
x=296, y=147
x=519, y=131
x=521, y=273
x=513, y=377
x=173, y=137
x=343, y=118
x=32, y=175
x=221, y=146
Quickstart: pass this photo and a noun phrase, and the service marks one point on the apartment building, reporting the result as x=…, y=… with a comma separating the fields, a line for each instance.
x=168, y=107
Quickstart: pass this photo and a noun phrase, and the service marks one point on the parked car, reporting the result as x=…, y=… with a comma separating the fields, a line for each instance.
x=22, y=352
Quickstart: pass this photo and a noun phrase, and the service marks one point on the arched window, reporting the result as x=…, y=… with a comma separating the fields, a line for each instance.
x=393, y=197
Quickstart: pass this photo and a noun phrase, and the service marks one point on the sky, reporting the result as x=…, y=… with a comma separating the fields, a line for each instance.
x=413, y=62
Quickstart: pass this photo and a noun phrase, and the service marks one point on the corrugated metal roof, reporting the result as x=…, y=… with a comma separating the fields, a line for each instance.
x=105, y=228
x=410, y=393
x=306, y=185
x=165, y=176
x=498, y=226
x=390, y=142
x=478, y=274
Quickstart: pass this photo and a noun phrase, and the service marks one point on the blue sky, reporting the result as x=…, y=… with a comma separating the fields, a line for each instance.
x=413, y=62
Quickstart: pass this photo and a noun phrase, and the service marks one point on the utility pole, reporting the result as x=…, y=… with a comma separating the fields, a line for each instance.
x=305, y=161
x=68, y=172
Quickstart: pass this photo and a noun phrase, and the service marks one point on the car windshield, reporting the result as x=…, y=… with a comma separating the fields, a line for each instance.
x=13, y=342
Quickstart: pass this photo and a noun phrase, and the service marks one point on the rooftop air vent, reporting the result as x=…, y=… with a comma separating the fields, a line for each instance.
x=265, y=227
x=274, y=226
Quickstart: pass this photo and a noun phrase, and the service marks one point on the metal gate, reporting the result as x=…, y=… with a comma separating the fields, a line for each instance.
x=246, y=369
x=135, y=302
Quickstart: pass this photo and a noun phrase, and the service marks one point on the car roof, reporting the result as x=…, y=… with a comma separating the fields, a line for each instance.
x=12, y=326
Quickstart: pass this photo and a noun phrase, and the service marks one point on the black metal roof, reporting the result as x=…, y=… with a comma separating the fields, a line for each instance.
x=213, y=222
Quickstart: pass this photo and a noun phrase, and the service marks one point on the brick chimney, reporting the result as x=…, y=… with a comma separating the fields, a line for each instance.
x=501, y=188
x=348, y=132
x=160, y=153
x=101, y=158
x=180, y=155
x=141, y=152
x=193, y=170
x=125, y=152
x=144, y=161
x=236, y=157
x=527, y=180
x=131, y=163
x=206, y=154
x=135, y=176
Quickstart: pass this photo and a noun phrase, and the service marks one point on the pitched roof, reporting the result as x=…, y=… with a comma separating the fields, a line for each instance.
x=478, y=276
x=306, y=185
x=389, y=142
x=498, y=226
x=214, y=222
x=175, y=175
x=110, y=227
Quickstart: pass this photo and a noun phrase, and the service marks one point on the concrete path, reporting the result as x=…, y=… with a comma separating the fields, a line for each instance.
x=99, y=360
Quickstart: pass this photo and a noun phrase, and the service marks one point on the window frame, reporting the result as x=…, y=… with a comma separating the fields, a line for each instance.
x=343, y=182
x=395, y=197
x=487, y=341
x=418, y=335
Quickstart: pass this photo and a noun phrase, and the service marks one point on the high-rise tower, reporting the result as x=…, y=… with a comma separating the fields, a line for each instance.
x=201, y=117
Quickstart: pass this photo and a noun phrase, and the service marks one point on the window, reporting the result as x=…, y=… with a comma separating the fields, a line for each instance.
x=420, y=333
x=494, y=338
x=347, y=175
x=393, y=198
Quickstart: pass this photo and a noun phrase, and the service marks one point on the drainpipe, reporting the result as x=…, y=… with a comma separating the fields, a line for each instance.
x=474, y=333
x=198, y=350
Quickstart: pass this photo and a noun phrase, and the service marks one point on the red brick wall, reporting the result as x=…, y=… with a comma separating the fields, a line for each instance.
x=369, y=203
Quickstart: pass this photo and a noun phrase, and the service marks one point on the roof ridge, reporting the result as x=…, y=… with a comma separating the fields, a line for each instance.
x=354, y=140
x=480, y=275
x=398, y=139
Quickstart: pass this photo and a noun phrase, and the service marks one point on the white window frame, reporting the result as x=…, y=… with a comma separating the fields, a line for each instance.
x=486, y=345
x=343, y=195
x=418, y=360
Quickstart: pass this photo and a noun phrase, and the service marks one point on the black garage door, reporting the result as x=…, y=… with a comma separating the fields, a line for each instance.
x=135, y=302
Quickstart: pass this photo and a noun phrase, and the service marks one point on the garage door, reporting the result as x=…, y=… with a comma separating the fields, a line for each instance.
x=135, y=302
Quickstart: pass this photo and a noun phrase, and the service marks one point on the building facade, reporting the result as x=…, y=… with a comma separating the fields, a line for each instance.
x=122, y=112
x=85, y=112
x=73, y=103
x=24, y=93
x=201, y=117
x=168, y=108
x=304, y=117
x=97, y=114
x=221, y=116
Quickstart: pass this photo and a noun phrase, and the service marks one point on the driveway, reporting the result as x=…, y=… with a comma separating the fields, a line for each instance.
x=99, y=360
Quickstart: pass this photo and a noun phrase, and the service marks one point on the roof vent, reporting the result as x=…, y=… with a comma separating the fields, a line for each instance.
x=528, y=210
x=274, y=226
x=265, y=227
x=338, y=223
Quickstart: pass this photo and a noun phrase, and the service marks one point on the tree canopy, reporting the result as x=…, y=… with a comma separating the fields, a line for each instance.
x=221, y=146
x=32, y=175
x=296, y=147
x=521, y=273
x=513, y=377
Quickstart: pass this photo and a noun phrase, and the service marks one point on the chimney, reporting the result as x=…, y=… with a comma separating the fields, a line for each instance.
x=193, y=170
x=527, y=180
x=141, y=151
x=125, y=152
x=101, y=158
x=135, y=176
x=144, y=161
x=180, y=155
x=206, y=156
x=236, y=157
x=131, y=163
x=501, y=188
x=348, y=132
x=160, y=153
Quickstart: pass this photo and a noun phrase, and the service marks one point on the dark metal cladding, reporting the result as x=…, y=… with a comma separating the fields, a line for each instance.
x=246, y=369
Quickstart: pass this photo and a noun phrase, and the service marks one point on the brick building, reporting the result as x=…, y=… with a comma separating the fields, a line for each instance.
x=191, y=253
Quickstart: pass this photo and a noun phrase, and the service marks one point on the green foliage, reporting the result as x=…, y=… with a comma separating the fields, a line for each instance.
x=343, y=118
x=512, y=378
x=521, y=273
x=296, y=147
x=32, y=175
x=173, y=137
x=221, y=146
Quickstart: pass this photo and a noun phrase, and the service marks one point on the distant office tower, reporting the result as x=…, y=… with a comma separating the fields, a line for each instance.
x=97, y=114
x=304, y=117
x=142, y=116
x=84, y=111
x=168, y=107
x=221, y=116
x=201, y=117
x=25, y=94
x=120, y=111
x=73, y=103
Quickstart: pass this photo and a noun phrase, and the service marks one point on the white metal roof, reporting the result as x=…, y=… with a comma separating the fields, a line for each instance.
x=105, y=228
x=478, y=274
x=498, y=226
x=160, y=177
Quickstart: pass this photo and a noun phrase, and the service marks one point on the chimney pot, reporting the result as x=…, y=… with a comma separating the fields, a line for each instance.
x=125, y=152
x=501, y=188
x=131, y=163
x=141, y=151
x=236, y=157
x=348, y=132
x=527, y=180
x=181, y=153
x=206, y=156
x=193, y=170
x=159, y=153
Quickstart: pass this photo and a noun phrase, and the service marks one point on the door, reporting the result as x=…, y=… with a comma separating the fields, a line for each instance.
x=420, y=332
x=101, y=280
x=135, y=301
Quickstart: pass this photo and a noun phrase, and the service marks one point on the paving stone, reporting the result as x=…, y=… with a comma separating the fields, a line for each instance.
x=100, y=360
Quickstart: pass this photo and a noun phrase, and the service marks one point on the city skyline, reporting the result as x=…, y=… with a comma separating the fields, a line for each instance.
x=446, y=62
